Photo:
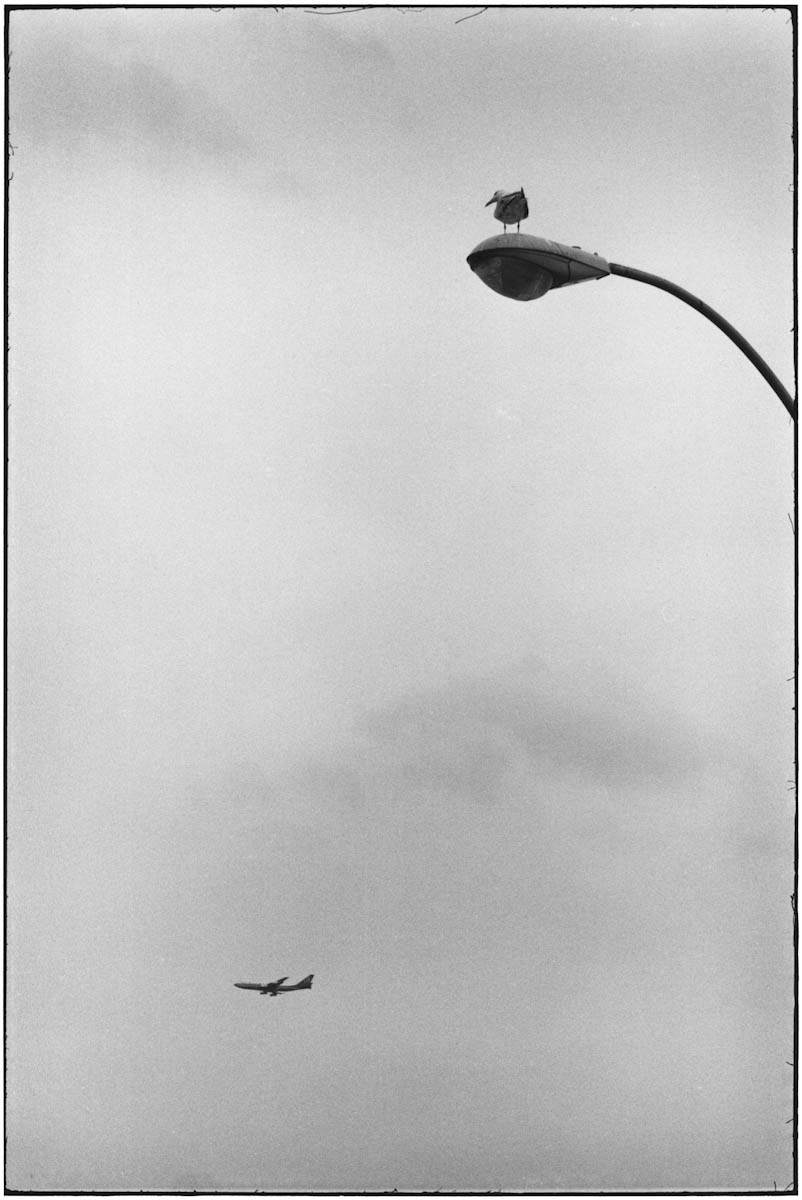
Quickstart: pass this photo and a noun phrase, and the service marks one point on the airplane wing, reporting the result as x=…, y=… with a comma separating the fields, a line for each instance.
x=296, y=987
x=262, y=987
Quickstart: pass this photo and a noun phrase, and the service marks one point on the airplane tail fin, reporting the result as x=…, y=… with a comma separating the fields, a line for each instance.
x=306, y=982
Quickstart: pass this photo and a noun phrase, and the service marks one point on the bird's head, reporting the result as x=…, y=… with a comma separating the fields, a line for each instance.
x=496, y=196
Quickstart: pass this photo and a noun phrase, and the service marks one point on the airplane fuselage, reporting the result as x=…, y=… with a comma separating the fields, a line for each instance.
x=274, y=989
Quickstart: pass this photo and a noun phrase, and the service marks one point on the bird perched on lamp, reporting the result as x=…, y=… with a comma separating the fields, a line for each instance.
x=511, y=208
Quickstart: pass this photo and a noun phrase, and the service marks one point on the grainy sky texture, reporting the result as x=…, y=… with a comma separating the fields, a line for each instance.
x=365, y=623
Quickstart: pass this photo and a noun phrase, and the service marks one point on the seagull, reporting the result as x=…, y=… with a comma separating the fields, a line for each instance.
x=511, y=208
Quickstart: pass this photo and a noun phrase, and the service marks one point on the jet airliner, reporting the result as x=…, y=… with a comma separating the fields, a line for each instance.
x=275, y=988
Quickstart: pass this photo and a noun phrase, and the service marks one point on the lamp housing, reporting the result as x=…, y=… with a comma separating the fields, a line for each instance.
x=523, y=267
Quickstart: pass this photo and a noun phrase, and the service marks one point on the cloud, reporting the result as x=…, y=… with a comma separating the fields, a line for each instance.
x=62, y=93
x=465, y=736
x=355, y=48
x=474, y=738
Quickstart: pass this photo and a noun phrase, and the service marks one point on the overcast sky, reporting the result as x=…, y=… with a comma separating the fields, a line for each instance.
x=365, y=623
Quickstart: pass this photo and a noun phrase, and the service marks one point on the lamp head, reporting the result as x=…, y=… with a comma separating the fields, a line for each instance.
x=523, y=267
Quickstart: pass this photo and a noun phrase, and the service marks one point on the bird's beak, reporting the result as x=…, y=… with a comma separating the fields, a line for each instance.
x=490, y=201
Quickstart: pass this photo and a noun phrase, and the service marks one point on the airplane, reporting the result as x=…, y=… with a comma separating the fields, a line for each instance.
x=273, y=989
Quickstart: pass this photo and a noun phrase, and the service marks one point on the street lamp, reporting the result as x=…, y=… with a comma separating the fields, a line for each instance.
x=523, y=268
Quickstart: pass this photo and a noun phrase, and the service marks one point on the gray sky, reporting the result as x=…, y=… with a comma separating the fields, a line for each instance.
x=363, y=622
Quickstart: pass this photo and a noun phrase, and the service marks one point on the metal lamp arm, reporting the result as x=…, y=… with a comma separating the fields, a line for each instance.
x=724, y=325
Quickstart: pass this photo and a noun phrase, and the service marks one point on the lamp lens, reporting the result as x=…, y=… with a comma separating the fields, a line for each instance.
x=514, y=277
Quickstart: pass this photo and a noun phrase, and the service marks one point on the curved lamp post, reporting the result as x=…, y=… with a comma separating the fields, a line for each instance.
x=523, y=268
